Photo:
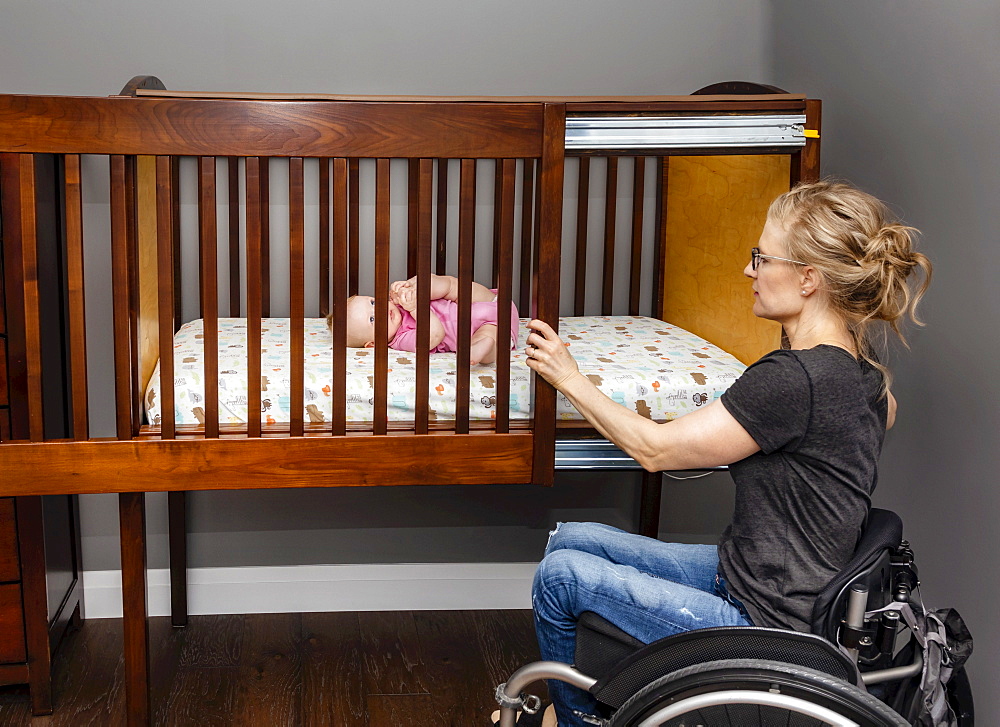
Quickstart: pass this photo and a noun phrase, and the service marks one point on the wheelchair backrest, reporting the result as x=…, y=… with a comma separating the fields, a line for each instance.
x=871, y=565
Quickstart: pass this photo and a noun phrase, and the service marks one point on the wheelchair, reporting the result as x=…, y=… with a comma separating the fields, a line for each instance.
x=851, y=670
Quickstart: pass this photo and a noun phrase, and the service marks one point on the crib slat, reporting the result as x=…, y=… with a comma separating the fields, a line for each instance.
x=582, y=214
x=121, y=297
x=547, y=295
x=382, y=220
x=353, y=224
x=234, y=237
x=527, y=226
x=505, y=269
x=133, y=235
x=421, y=409
x=610, y=220
x=296, y=283
x=265, y=237
x=324, y=236
x=497, y=221
x=412, y=216
x=662, y=176
x=466, y=260
x=254, y=180
x=638, y=204
x=175, y=234
x=19, y=193
x=75, y=287
x=165, y=286
x=441, y=237
x=338, y=418
x=536, y=232
x=208, y=243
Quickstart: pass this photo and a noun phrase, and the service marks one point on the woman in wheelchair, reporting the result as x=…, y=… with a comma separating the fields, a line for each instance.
x=801, y=429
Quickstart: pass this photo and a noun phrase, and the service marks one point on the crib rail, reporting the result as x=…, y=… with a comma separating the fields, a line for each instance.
x=177, y=165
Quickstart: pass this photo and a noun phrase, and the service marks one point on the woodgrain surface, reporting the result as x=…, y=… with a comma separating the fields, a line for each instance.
x=11, y=626
x=213, y=464
x=9, y=568
x=197, y=127
x=715, y=212
x=149, y=331
x=387, y=669
x=3, y=370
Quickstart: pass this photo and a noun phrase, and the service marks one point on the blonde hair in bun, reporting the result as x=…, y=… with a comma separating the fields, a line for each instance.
x=864, y=255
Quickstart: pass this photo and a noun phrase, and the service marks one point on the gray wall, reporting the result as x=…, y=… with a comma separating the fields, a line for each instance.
x=442, y=47
x=911, y=95
x=381, y=46
x=911, y=98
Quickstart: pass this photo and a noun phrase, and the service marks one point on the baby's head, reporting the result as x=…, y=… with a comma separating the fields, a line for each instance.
x=361, y=321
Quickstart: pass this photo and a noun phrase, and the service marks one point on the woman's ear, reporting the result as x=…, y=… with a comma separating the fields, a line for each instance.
x=809, y=279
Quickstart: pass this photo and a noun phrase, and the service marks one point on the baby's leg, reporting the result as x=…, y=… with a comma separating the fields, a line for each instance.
x=483, y=347
x=481, y=294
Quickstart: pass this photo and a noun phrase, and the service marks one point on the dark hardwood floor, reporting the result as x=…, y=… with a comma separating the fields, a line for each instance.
x=378, y=669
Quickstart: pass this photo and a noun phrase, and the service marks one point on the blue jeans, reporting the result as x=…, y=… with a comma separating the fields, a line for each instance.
x=647, y=588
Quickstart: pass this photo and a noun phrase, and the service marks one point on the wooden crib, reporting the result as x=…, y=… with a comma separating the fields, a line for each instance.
x=196, y=172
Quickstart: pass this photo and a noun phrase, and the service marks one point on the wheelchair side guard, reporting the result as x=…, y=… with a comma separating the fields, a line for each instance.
x=600, y=645
x=714, y=644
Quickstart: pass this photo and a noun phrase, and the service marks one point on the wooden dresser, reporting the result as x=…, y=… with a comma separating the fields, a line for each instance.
x=40, y=568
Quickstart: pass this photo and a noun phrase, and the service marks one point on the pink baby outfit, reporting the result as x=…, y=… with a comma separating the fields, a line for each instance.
x=447, y=312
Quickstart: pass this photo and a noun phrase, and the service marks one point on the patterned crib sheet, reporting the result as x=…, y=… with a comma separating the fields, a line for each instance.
x=657, y=369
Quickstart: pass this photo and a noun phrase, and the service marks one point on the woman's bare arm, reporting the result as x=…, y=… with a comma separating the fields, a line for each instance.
x=704, y=438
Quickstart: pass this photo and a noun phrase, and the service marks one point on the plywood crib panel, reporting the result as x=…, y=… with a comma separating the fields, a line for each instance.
x=715, y=211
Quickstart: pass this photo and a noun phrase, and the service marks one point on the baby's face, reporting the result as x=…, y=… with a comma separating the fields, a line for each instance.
x=361, y=319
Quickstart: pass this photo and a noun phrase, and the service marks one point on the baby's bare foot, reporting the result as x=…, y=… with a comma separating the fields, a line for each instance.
x=483, y=350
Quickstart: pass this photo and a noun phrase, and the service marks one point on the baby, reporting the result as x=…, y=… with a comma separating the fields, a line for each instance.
x=443, y=319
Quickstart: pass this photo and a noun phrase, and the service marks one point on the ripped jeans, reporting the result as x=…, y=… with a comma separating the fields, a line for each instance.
x=648, y=588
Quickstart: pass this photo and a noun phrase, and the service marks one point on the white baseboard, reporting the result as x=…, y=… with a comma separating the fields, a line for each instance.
x=310, y=588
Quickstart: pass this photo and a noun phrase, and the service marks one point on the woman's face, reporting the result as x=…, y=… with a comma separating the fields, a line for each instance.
x=777, y=284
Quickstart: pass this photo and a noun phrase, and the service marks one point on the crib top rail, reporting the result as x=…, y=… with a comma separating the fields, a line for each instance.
x=574, y=103
x=223, y=127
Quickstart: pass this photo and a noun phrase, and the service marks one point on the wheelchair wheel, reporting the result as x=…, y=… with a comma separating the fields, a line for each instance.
x=747, y=692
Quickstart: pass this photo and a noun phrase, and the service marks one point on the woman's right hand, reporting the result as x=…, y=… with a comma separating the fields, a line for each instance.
x=548, y=355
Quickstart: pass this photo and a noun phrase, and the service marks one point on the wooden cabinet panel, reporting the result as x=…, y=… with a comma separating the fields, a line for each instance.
x=9, y=568
x=11, y=624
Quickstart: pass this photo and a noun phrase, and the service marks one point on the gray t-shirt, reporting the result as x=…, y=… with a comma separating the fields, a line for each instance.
x=819, y=418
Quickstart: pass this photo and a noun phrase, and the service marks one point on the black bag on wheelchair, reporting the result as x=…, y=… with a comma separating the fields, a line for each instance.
x=946, y=644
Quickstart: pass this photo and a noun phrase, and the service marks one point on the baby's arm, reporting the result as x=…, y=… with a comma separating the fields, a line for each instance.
x=406, y=297
x=442, y=286
x=446, y=286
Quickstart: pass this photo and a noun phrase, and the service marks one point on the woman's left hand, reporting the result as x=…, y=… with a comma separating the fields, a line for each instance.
x=547, y=355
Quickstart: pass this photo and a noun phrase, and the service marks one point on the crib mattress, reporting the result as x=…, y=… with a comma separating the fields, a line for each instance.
x=657, y=369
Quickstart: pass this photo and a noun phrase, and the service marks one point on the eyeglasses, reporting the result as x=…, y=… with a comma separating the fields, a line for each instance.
x=756, y=256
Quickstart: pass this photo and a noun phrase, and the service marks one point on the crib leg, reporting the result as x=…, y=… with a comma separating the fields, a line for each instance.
x=649, y=504
x=132, y=521
x=177, y=535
